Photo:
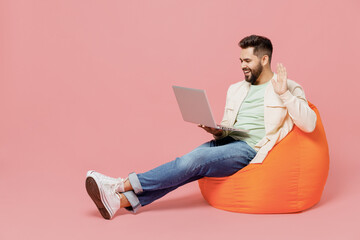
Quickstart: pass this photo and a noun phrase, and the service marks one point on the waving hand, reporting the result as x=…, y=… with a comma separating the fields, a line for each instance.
x=280, y=86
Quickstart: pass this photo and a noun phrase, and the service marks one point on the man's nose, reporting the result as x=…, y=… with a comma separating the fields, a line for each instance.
x=243, y=65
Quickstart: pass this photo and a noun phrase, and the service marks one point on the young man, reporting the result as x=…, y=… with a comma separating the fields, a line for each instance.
x=265, y=103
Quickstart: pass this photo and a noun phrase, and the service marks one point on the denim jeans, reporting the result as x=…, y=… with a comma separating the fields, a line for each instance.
x=216, y=158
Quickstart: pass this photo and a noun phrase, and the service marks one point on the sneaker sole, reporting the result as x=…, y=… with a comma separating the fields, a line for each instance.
x=94, y=193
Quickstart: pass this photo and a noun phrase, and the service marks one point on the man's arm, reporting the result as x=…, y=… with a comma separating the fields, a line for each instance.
x=300, y=112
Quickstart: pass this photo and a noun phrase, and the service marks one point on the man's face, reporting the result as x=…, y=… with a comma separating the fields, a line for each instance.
x=250, y=65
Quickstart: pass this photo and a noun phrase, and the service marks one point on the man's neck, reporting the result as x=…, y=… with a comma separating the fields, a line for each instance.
x=264, y=77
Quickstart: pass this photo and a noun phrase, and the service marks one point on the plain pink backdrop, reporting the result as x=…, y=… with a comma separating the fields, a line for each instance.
x=87, y=85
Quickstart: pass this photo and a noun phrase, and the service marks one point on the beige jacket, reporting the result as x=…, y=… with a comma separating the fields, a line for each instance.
x=280, y=113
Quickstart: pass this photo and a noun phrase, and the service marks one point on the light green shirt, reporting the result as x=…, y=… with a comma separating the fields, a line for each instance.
x=251, y=116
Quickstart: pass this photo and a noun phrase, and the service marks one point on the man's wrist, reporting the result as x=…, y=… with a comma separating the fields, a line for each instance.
x=219, y=134
x=286, y=96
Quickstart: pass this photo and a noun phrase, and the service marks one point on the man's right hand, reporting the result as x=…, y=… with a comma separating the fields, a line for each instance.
x=214, y=131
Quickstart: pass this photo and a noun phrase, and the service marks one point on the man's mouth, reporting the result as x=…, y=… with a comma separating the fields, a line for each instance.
x=247, y=72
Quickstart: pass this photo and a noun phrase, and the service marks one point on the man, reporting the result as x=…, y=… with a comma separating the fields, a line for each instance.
x=265, y=103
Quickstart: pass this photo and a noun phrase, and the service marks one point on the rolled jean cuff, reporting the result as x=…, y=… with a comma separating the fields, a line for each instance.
x=133, y=200
x=135, y=183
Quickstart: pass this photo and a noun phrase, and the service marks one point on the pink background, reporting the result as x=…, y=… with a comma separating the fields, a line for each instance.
x=87, y=85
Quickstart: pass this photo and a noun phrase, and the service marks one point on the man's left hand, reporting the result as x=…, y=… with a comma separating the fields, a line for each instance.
x=280, y=86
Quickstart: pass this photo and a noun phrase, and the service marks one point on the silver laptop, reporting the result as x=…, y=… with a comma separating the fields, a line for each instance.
x=195, y=108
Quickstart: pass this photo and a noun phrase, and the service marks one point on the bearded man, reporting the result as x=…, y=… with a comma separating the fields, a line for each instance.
x=265, y=103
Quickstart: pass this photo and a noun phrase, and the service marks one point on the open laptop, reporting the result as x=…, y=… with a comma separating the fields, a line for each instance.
x=195, y=108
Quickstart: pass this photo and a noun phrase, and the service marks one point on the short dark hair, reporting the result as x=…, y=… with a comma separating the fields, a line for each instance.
x=262, y=45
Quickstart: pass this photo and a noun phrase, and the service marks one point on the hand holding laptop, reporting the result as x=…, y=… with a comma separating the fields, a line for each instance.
x=214, y=131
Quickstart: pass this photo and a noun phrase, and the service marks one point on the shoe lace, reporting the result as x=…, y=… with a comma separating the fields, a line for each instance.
x=116, y=184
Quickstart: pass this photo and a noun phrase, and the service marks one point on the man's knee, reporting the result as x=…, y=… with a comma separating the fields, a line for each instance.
x=195, y=159
x=184, y=163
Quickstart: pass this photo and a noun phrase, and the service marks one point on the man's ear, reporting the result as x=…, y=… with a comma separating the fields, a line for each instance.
x=264, y=60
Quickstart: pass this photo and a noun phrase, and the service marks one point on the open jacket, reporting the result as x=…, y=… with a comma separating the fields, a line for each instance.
x=280, y=113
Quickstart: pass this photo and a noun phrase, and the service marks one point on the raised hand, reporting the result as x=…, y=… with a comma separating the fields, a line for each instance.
x=280, y=86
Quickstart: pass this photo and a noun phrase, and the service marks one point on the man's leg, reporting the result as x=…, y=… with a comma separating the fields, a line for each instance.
x=213, y=159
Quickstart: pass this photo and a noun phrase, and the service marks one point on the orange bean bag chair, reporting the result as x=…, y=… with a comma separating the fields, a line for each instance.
x=290, y=179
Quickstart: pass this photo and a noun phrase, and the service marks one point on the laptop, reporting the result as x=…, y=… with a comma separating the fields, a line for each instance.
x=195, y=108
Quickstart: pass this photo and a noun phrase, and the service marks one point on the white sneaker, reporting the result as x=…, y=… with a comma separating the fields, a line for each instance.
x=103, y=191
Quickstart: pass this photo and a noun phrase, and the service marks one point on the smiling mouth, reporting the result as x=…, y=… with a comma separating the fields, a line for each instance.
x=247, y=72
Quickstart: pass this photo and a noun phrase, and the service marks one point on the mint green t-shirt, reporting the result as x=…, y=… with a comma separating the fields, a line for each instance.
x=251, y=116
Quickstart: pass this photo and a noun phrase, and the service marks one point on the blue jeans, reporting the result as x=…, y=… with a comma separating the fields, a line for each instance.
x=216, y=158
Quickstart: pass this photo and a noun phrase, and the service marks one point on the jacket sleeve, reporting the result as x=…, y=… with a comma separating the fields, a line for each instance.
x=300, y=112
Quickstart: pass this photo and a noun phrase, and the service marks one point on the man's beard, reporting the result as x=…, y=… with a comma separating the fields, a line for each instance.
x=254, y=74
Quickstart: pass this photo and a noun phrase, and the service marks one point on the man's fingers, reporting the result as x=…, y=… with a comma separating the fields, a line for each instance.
x=282, y=74
x=280, y=84
x=283, y=69
x=278, y=68
x=203, y=127
x=279, y=71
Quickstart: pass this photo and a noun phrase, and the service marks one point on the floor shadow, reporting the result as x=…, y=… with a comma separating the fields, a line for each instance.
x=96, y=214
x=342, y=175
x=93, y=213
x=335, y=184
x=194, y=200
